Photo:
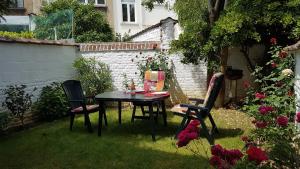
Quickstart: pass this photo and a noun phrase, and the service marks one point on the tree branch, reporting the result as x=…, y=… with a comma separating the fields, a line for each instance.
x=217, y=6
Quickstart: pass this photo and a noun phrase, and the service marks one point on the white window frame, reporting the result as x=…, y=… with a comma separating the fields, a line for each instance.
x=18, y=5
x=96, y=3
x=128, y=11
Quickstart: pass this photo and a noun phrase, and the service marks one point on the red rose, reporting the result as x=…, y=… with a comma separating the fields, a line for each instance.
x=260, y=95
x=298, y=117
x=217, y=150
x=273, y=65
x=215, y=161
x=261, y=124
x=283, y=54
x=273, y=41
x=265, y=109
x=246, y=84
x=256, y=154
x=282, y=121
x=191, y=132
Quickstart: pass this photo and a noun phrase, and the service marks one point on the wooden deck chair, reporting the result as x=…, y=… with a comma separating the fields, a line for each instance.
x=189, y=111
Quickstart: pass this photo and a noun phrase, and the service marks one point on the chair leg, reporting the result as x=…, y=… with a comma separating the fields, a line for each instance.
x=105, y=119
x=133, y=114
x=72, y=116
x=213, y=124
x=87, y=122
x=206, y=132
x=181, y=127
x=143, y=110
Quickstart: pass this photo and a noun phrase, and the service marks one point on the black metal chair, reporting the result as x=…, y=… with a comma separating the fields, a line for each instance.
x=77, y=101
x=194, y=111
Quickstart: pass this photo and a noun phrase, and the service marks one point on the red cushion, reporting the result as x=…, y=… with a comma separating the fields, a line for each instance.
x=88, y=108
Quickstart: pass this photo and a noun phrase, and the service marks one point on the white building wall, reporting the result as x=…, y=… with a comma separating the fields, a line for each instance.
x=144, y=17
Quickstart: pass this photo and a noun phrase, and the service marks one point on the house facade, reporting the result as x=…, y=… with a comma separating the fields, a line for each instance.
x=124, y=16
x=130, y=17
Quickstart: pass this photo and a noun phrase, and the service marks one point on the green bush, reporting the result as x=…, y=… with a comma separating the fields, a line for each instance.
x=87, y=23
x=16, y=35
x=95, y=76
x=17, y=100
x=4, y=120
x=52, y=102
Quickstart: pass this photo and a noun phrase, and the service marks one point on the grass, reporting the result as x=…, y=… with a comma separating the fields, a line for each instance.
x=53, y=146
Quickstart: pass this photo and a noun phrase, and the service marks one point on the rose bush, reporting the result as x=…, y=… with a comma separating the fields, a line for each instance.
x=270, y=101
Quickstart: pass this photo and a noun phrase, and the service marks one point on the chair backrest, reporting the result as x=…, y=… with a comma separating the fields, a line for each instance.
x=213, y=90
x=73, y=91
x=154, y=79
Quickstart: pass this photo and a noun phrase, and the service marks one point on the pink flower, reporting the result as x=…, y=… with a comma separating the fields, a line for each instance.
x=265, y=109
x=273, y=65
x=261, y=124
x=256, y=154
x=282, y=121
x=260, y=95
x=298, y=117
x=273, y=41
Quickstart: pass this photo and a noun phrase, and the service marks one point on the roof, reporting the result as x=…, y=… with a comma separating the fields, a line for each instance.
x=152, y=27
x=36, y=41
x=293, y=47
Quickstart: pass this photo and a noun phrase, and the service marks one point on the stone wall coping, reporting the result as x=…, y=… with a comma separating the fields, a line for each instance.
x=36, y=41
x=119, y=46
x=293, y=47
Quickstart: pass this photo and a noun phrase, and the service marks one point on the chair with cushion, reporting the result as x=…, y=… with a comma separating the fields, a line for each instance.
x=77, y=101
x=194, y=111
x=153, y=81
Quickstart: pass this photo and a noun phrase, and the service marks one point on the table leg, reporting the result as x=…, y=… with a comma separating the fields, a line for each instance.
x=164, y=113
x=101, y=112
x=120, y=110
x=152, y=121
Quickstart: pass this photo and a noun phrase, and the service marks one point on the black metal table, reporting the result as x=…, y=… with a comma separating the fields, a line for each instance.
x=120, y=97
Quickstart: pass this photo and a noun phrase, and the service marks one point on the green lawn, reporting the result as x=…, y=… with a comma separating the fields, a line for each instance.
x=53, y=146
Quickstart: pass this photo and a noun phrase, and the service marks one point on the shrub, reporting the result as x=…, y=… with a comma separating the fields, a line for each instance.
x=4, y=120
x=95, y=77
x=17, y=100
x=160, y=61
x=272, y=105
x=52, y=102
x=16, y=35
x=90, y=24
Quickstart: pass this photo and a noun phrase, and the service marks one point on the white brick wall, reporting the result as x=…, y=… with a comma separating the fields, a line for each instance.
x=189, y=80
x=34, y=65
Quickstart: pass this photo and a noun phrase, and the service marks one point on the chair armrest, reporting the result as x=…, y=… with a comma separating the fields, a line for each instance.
x=192, y=107
x=81, y=101
x=199, y=101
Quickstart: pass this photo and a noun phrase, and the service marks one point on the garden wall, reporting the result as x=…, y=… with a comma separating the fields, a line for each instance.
x=35, y=63
x=188, y=80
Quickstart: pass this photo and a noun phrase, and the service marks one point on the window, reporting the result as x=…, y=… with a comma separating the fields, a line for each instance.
x=96, y=2
x=128, y=10
x=16, y=4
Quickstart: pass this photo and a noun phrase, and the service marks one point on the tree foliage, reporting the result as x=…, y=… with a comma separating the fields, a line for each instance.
x=90, y=25
x=234, y=23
